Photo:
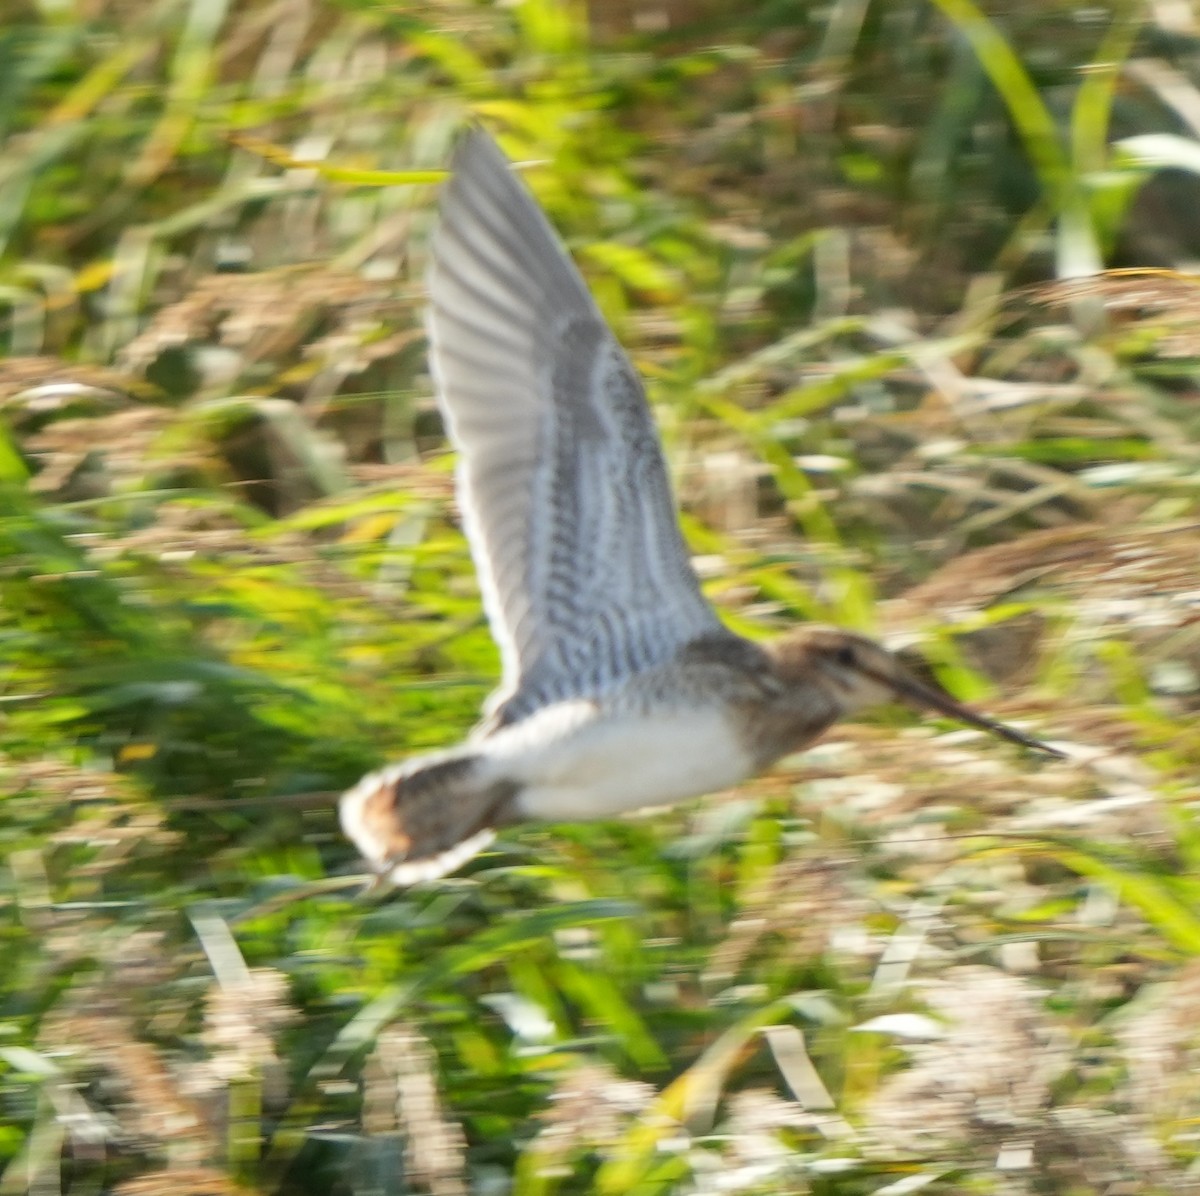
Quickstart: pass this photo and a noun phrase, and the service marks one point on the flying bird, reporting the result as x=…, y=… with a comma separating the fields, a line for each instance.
x=620, y=686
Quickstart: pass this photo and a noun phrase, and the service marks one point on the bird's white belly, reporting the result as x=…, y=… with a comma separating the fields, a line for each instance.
x=575, y=765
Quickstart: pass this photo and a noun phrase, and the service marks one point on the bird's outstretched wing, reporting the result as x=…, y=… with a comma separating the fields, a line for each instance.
x=562, y=485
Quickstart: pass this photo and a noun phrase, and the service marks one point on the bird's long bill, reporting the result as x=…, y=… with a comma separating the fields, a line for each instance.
x=919, y=693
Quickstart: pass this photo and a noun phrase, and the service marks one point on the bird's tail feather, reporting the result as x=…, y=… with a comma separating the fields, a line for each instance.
x=424, y=818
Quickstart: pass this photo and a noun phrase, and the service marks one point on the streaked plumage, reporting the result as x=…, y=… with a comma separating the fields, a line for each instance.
x=561, y=478
x=620, y=687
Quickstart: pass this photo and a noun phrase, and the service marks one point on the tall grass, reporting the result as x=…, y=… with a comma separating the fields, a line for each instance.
x=233, y=580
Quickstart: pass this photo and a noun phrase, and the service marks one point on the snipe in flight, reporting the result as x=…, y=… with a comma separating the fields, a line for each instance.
x=621, y=688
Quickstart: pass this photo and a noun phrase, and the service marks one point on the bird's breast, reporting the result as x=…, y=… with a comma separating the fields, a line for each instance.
x=578, y=760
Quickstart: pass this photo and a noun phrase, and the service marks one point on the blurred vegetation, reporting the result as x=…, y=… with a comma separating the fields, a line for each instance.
x=859, y=249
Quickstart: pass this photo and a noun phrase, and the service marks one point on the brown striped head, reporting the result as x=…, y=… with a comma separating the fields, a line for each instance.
x=856, y=672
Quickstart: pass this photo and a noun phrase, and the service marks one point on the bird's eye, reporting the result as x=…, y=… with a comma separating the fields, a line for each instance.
x=845, y=656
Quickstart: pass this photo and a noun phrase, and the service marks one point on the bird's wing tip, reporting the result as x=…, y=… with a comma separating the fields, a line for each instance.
x=475, y=143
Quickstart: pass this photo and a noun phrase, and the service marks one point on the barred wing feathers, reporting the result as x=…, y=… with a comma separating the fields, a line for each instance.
x=562, y=484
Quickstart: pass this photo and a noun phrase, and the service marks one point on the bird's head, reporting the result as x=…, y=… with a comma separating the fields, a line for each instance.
x=856, y=672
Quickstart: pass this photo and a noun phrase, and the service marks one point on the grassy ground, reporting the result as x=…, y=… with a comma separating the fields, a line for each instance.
x=834, y=239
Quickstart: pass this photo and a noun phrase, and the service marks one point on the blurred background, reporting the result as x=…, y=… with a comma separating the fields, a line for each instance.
x=909, y=284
